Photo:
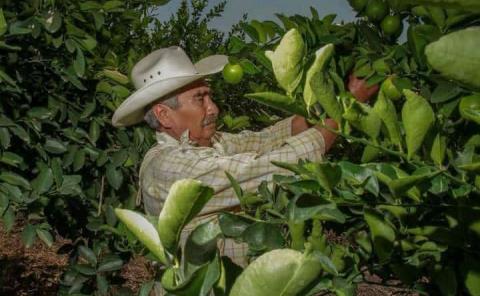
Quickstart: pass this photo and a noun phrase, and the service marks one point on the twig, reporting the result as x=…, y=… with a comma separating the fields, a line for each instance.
x=102, y=185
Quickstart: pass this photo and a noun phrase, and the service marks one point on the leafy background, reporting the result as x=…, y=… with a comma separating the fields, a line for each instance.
x=63, y=167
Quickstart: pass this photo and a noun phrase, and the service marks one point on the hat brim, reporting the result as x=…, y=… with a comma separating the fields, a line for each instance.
x=132, y=110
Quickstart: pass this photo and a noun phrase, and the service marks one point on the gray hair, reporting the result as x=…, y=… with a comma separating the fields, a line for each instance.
x=150, y=117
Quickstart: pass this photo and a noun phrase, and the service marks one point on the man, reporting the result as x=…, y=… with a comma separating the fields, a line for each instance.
x=174, y=99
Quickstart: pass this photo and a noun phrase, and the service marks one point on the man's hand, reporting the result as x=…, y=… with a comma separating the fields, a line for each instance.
x=300, y=124
x=359, y=89
x=328, y=136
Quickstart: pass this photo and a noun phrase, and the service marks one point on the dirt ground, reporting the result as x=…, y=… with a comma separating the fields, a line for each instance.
x=37, y=270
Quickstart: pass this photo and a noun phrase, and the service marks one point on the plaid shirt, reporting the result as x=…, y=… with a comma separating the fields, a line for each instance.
x=246, y=156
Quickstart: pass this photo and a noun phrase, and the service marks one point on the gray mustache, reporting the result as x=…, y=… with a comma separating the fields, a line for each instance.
x=209, y=120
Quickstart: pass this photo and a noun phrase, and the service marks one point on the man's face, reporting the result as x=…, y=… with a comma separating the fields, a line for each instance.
x=197, y=113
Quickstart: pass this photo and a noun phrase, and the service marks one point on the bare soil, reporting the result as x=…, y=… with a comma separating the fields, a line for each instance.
x=37, y=270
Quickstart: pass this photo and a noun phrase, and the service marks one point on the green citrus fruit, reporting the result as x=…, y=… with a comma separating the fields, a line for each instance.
x=470, y=108
x=376, y=10
x=391, y=25
x=232, y=73
x=358, y=5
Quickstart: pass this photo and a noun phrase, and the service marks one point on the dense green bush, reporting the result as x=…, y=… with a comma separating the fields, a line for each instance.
x=405, y=208
x=63, y=167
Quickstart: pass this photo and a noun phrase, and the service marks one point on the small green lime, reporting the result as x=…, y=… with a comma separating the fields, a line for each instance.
x=391, y=25
x=358, y=5
x=376, y=10
x=232, y=73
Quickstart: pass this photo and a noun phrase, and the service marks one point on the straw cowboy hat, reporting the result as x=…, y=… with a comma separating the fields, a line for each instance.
x=159, y=74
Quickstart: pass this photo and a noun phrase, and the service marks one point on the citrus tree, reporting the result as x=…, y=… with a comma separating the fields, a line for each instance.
x=63, y=168
x=400, y=192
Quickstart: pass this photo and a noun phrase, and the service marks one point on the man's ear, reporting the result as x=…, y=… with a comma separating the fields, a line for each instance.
x=162, y=113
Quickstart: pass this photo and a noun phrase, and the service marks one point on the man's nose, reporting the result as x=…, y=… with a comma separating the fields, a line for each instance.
x=211, y=107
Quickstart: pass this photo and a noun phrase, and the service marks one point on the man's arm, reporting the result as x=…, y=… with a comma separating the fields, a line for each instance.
x=300, y=124
x=262, y=141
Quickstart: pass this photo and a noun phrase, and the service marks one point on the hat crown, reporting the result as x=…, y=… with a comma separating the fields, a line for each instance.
x=162, y=64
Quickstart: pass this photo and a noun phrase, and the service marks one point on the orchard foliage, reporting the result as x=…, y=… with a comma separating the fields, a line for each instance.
x=406, y=208
x=400, y=190
x=64, y=69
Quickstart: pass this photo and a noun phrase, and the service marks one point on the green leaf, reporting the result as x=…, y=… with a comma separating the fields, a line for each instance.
x=232, y=225
x=79, y=160
x=116, y=76
x=4, y=137
x=28, y=235
x=146, y=288
x=383, y=235
x=54, y=146
x=88, y=254
x=279, y=102
x=201, y=246
x=79, y=63
x=405, y=183
x=287, y=60
x=113, y=4
x=4, y=201
x=102, y=284
x=71, y=76
x=13, y=192
x=8, y=219
x=263, y=237
x=326, y=174
x=45, y=236
x=306, y=207
x=144, y=231
x=471, y=270
x=185, y=200
x=418, y=117
x=114, y=177
x=175, y=285
x=53, y=22
x=40, y=113
x=317, y=86
x=20, y=27
x=439, y=148
x=3, y=23
x=212, y=275
x=43, y=181
x=94, y=131
x=90, y=5
x=15, y=179
x=99, y=19
x=121, y=91
x=110, y=265
x=456, y=56
x=444, y=92
x=386, y=111
x=446, y=280
x=70, y=185
x=249, y=67
x=363, y=118
x=282, y=272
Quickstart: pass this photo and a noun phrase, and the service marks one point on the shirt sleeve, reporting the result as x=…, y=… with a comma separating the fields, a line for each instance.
x=260, y=142
x=248, y=168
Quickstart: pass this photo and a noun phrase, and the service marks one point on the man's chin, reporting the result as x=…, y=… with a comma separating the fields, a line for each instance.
x=211, y=126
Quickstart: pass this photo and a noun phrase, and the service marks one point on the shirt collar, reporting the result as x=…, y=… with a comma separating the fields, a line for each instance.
x=165, y=139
